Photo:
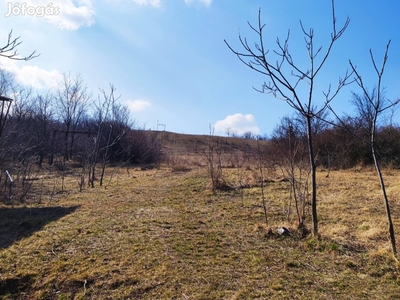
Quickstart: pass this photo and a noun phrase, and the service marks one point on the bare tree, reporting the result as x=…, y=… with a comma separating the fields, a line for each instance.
x=72, y=100
x=107, y=111
x=9, y=50
x=21, y=108
x=289, y=82
x=20, y=132
x=43, y=113
x=101, y=110
x=213, y=156
x=370, y=106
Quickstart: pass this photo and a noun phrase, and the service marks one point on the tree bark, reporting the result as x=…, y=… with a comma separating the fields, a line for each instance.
x=313, y=177
x=385, y=198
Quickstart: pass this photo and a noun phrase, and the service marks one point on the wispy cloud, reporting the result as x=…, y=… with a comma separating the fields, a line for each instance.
x=32, y=76
x=137, y=105
x=238, y=124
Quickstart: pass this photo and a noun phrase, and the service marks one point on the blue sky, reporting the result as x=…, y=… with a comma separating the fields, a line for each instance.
x=168, y=60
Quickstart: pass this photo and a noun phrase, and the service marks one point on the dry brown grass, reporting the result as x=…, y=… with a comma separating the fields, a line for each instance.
x=159, y=234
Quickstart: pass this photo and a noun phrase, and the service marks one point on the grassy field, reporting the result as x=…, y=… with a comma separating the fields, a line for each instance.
x=162, y=234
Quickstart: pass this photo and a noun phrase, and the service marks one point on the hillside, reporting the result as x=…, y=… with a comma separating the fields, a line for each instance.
x=178, y=142
x=192, y=149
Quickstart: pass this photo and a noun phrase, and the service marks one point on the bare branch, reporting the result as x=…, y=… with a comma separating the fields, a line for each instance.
x=334, y=37
x=10, y=49
x=341, y=83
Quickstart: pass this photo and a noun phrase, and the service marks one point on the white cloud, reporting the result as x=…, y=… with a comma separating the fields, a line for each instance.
x=72, y=16
x=37, y=77
x=137, y=105
x=238, y=124
x=32, y=76
x=205, y=2
x=154, y=3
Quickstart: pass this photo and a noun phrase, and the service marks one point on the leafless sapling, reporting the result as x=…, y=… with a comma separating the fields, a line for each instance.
x=289, y=82
x=371, y=105
x=213, y=155
x=291, y=157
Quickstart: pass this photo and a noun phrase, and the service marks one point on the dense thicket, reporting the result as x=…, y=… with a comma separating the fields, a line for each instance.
x=338, y=146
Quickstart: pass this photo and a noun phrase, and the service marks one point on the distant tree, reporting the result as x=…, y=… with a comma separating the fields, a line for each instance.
x=140, y=146
x=388, y=143
x=248, y=135
x=288, y=81
x=260, y=137
x=20, y=129
x=102, y=110
x=337, y=148
x=116, y=123
x=71, y=102
x=43, y=114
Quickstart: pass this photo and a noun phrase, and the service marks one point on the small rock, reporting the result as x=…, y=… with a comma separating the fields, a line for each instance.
x=283, y=231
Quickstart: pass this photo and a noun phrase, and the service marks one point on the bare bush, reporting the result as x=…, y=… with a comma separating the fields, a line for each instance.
x=213, y=156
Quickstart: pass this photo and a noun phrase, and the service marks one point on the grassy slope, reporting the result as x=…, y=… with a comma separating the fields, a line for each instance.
x=159, y=234
x=177, y=144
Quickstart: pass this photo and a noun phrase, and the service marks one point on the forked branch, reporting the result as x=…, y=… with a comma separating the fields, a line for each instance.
x=10, y=49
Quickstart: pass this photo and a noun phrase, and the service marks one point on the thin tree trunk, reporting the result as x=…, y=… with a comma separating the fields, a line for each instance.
x=103, y=169
x=262, y=184
x=263, y=196
x=71, y=146
x=385, y=198
x=52, y=148
x=313, y=177
x=66, y=145
x=95, y=155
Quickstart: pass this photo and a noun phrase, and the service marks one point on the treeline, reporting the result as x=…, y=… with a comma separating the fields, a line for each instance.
x=68, y=124
x=338, y=145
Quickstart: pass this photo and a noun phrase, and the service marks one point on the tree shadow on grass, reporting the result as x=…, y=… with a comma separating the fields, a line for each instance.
x=13, y=286
x=21, y=222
